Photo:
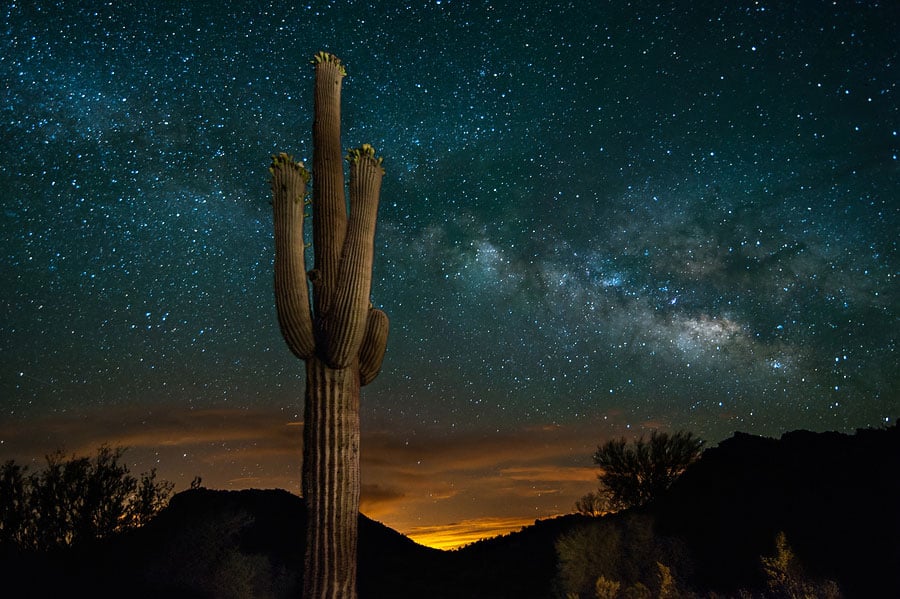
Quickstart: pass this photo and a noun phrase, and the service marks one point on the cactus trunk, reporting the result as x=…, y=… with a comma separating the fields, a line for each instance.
x=339, y=335
x=331, y=479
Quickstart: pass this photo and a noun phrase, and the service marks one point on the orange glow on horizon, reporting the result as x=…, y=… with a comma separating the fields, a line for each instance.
x=459, y=534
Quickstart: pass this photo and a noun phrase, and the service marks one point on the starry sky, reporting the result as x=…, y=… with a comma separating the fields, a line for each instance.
x=598, y=219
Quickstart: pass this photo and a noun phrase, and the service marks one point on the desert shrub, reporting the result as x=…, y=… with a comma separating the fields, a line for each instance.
x=786, y=577
x=668, y=586
x=206, y=558
x=637, y=591
x=606, y=589
x=623, y=550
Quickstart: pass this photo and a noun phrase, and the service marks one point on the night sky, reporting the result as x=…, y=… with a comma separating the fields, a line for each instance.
x=598, y=219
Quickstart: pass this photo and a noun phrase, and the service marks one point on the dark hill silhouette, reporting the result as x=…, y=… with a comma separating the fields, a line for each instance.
x=257, y=541
x=833, y=495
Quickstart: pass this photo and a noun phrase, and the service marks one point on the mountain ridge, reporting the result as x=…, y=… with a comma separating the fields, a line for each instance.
x=833, y=495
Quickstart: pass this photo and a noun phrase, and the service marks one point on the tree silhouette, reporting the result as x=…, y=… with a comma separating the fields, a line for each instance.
x=75, y=500
x=13, y=504
x=327, y=320
x=592, y=504
x=634, y=473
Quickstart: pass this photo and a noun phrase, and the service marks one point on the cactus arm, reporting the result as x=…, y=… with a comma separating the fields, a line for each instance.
x=288, y=185
x=346, y=322
x=329, y=201
x=374, y=344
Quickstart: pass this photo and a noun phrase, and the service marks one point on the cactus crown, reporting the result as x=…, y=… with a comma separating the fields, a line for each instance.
x=328, y=57
x=286, y=160
x=364, y=151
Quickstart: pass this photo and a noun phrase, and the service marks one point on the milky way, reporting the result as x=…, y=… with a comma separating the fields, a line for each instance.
x=647, y=216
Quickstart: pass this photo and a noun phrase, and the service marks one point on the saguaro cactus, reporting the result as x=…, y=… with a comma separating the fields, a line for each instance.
x=339, y=335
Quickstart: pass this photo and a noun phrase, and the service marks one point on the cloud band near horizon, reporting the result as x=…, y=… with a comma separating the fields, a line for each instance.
x=443, y=491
